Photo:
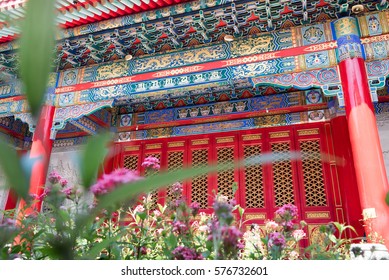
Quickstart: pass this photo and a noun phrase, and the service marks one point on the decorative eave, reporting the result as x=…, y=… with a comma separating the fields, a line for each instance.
x=72, y=13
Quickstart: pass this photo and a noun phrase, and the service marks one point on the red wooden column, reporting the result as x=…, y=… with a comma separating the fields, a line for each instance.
x=40, y=154
x=361, y=121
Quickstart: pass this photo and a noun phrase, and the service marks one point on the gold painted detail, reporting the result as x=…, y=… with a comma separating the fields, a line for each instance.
x=282, y=174
x=224, y=139
x=131, y=148
x=308, y=131
x=279, y=134
x=200, y=183
x=315, y=236
x=251, y=137
x=346, y=26
x=252, y=45
x=260, y=216
x=176, y=144
x=200, y=142
x=225, y=178
x=251, y=59
x=315, y=194
x=153, y=146
x=110, y=71
x=374, y=39
x=321, y=47
x=131, y=162
x=317, y=215
x=253, y=179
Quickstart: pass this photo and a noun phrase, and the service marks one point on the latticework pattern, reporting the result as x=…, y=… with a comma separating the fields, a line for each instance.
x=315, y=194
x=253, y=179
x=154, y=194
x=225, y=178
x=175, y=161
x=131, y=162
x=282, y=174
x=200, y=183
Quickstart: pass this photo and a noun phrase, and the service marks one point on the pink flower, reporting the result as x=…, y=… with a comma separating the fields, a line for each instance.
x=157, y=213
x=288, y=211
x=151, y=162
x=195, y=224
x=298, y=234
x=63, y=182
x=110, y=181
x=69, y=191
x=139, y=209
x=203, y=228
x=177, y=189
x=195, y=208
x=54, y=177
x=271, y=225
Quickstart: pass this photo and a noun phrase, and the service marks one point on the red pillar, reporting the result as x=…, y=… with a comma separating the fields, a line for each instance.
x=40, y=151
x=361, y=120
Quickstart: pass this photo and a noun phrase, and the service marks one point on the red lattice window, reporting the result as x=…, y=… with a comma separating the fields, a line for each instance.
x=315, y=193
x=200, y=183
x=282, y=174
x=253, y=179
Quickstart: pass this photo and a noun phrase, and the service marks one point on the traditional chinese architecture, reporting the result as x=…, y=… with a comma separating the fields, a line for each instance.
x=197, y=82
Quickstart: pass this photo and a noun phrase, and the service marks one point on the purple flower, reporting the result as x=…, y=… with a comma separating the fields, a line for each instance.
x=231, y=239
x=180, y=227
x=289, y=225
x=54, y=177
x=231, y=236
x=223, y=208
x=110, y=181
x=195, y=206
x=69, y=191
x=63, y=182
x=276, y=239
x=151, y=162
x=288, y=210
x=185, y=253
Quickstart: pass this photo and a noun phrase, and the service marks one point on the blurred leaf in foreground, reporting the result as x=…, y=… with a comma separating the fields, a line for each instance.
x=36, y=49
x=13, y=170
x=92, y=156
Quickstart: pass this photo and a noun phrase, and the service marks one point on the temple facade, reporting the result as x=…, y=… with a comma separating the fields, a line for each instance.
x=301, y=84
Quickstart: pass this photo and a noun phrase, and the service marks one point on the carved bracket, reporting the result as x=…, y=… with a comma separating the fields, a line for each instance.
x=73, y=113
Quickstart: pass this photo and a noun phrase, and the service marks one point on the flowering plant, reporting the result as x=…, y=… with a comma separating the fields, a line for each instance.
x=279, y=239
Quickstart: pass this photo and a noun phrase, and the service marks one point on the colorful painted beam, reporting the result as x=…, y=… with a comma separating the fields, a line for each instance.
x=201, y=67
x=227, y=117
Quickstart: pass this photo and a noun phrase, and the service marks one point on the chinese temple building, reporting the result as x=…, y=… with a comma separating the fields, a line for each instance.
x=218, y=81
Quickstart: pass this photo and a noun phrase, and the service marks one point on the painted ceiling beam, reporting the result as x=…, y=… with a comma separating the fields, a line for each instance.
x=73, y=13
x=87, y=125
